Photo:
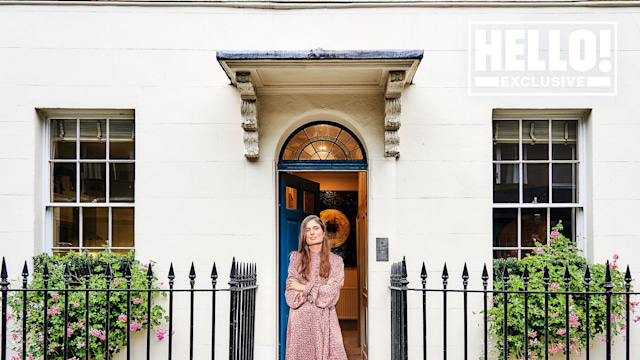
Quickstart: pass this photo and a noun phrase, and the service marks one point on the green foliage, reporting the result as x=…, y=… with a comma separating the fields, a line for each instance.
x=560, y=254
x=77, y=326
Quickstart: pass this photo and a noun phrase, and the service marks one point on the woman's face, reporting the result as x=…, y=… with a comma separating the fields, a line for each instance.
x=313, y=233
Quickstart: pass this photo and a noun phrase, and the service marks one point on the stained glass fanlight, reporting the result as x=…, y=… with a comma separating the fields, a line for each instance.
x=325, y=144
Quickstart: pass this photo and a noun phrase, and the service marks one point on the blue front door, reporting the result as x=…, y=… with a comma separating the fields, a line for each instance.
x=298, y=198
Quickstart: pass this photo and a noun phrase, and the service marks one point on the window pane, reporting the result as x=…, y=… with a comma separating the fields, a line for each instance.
x=63, y=139
x=92, y=182
x=66, y=227
x=568, y=218
x=63, y=183
x=565, y=178
x=505, y=228
x=565, y=135
x=122, y=227
x=95, y=227
x=534, y=227
x=505, y=140
x=498, y=254
x=92, y=139
x=536, y=183
x=121, y=139
x=535, y=140
x=505, y=183
x=121, y=182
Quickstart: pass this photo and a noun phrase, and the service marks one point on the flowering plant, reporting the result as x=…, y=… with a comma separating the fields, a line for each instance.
x=561, y=254
x=77, y=327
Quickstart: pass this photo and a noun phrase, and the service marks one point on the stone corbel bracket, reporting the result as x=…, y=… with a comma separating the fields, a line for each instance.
x=249, y=113
x=393, y=109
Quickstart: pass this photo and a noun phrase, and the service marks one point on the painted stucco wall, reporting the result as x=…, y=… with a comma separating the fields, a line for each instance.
x=198, y=199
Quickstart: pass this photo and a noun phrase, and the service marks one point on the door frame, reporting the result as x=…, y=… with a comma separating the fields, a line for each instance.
x=365, y=276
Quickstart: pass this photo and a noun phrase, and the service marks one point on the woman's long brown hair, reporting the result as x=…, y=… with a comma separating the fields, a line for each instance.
x=305, y=259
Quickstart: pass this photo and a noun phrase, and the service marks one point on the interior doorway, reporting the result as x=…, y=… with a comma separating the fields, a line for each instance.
x=340, y=199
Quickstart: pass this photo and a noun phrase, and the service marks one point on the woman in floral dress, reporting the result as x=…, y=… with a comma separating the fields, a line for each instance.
x=313, y=289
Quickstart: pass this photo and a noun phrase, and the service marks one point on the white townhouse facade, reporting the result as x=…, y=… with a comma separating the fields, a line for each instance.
x=438, y=131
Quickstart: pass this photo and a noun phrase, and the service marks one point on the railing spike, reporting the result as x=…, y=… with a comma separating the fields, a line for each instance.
x=627, y=276
x=233, y=267
x=127, y=271
x=172, y=274
x=423, y=272
x=587, y=275
x=45, y=272
x=149, y=273
x=526, y=277
x=3, y=272
x=107, y=274
x=4, y=278
x=25, y=270
x=545, y=276
x=485, y=273
x=607, y=274
x=214, y=272
x=465, y=272
x=445, y=272
x=192, y=272
x=404, y=267
x=567, y=276
x=505, y=274
x=67, y=273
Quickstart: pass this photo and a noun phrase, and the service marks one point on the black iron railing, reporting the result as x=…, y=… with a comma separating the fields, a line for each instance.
x=242, y=289
x=504, y=299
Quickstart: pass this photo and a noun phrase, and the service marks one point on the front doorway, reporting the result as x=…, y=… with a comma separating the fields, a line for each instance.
x=336, y=190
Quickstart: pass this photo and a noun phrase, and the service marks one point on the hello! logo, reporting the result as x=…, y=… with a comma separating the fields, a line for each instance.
x=542, y=58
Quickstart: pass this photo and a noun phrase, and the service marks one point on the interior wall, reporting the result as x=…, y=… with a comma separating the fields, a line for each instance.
x=333, y=181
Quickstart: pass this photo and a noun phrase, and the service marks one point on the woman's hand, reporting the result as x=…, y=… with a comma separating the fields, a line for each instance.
x=293, y=284
x=330, y=280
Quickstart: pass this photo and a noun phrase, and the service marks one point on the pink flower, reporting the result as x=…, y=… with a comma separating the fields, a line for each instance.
x=137, y=301
x=75, y=303
x=54, y=310
x=135, y=326
x=143, y=265
x=613, y=317
x=122, y=317
x=55, y=296
x=533, y=342
x=15, y=358
x=69, y=332
x=554, y=234
x=80, y=345
x=615, y=256
x=160, y=334
x=117, y=281
x=41, y=338
x=555, y=286
x=553, y=351
x=493, y=317
x=561, y=332
x=15, y=337
x=539, y=251
x=80, y=324
x=533, y=334
x=555, y=314
x=561, y=346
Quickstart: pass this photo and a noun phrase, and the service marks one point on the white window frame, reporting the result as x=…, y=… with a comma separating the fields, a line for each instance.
x=580, y=229
x=47, y=171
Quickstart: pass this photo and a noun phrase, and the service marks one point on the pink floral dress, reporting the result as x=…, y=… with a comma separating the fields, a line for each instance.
x=313, y=331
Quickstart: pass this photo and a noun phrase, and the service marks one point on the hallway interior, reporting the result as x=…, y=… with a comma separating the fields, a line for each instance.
x=350, y=337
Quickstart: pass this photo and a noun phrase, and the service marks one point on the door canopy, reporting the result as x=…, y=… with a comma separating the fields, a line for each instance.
x=322, y=145
x=256, y=73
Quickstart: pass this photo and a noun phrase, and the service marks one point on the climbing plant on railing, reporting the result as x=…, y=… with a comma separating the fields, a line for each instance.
x=84, y=320
x=567, y=273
